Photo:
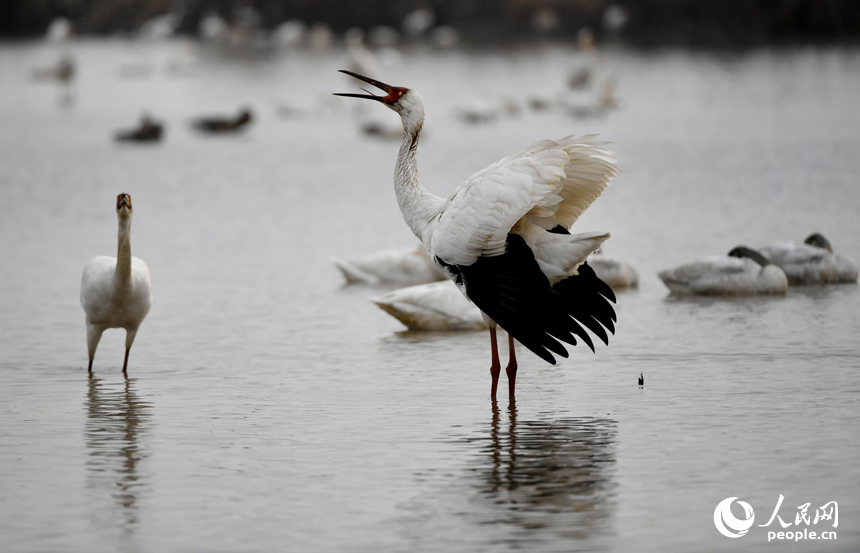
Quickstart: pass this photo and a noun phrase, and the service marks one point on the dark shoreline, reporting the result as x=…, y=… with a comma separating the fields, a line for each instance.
x=705, y=24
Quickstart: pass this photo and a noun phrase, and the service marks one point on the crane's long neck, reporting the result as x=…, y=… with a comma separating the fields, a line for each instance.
x=123, y=254
x=418, y=206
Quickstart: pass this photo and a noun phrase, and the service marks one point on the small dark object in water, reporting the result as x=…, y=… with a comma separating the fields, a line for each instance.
x=149, y=130
x=223, y=124
x=641, y=379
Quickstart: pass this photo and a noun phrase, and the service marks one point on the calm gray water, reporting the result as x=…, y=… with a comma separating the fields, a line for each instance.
x=269, y=408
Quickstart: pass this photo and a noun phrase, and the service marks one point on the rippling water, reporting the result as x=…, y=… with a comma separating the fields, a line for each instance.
x=271, y=408
x=116, y=428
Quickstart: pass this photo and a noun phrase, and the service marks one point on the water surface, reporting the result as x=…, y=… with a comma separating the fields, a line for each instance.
x=271, y=408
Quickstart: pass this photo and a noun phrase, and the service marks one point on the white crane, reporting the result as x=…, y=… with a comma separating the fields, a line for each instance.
x=743, y=272
x=116, y=292
x=502, y=235
x=812, y=262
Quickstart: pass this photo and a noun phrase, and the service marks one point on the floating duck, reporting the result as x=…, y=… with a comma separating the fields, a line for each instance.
x=149, y=130
x=215, y=125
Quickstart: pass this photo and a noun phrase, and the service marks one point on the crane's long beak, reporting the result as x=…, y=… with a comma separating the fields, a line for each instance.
x=382, y=86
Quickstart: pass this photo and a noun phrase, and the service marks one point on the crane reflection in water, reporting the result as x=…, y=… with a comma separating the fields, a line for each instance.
x=117, y=420
x=550, y=478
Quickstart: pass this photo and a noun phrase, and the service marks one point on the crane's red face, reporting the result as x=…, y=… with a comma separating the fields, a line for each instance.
x=393, y=93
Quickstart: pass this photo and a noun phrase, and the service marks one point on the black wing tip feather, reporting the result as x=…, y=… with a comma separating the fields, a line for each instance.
x=600, y=287
x=590, y=301
x=513, y=291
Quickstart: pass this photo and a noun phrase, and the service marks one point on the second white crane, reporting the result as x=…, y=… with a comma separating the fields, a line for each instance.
x=116, y=292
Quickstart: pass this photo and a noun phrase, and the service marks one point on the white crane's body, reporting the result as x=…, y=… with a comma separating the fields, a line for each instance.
x=502, y=235
x=116, y=292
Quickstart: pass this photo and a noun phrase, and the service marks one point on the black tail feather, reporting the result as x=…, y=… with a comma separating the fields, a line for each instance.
x=513, y=291
x=587, y=300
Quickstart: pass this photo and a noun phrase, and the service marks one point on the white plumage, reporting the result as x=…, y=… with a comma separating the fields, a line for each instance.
x=548, y=184
x=403, y=266
x=502, y=235
x=742, y=272
x=812, y=262
x=433, y=306
x=116, y=292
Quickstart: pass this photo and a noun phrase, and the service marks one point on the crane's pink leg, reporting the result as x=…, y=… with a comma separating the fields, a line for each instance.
x=512, y=367
x=496, y=367
x=125, y=363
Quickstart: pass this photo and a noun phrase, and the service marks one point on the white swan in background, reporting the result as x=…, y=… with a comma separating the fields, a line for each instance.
x=404, y=266
x=116, y=292
x=433, y=306
x=812, y=262
x=617, y=274
x=743, y=272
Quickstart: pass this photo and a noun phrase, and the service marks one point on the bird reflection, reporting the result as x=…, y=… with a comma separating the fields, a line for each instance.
x=549, y=475
x=117, y=419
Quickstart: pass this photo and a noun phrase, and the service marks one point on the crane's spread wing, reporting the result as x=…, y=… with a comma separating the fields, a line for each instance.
x=550, y=183
x=513, y=291
x=586, y=176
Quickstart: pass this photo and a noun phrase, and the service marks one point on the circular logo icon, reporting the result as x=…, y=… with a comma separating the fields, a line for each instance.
x=725, y=521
